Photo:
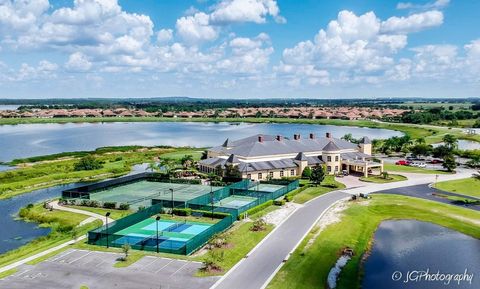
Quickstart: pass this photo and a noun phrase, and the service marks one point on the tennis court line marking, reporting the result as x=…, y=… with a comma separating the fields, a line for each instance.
x=75, y=260
x=171, y=275
x=164, y=266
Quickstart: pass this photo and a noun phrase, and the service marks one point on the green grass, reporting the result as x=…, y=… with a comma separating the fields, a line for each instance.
x=114, y=214
x=83, y=287
x=178, y=155
x=409, y=169
x=308, y=267
x=47, y=173
x=47, y=218
x=380, y=179
x=329, y=184
x=458, y=200
x=8, y=273
x=242, y=241
x=467, y=187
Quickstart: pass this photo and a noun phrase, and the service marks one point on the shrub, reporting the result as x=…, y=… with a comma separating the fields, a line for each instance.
x=88, y=163
x=110, y=205
x=279, y=202
x=84, y=203
x=307, y=172
x=93, y=204
x=259, y=225
x=124, y=206
x=182, y=212
x=209, y=214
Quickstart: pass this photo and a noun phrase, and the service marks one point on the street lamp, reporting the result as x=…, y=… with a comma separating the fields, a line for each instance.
x=157, y=219
x=171, y=191
x=106, y=224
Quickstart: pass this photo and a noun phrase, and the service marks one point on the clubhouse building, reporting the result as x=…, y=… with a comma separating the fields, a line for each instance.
x=262, y=157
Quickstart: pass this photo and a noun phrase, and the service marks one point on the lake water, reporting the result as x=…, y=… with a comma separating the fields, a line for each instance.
x=15, y=233
x=20, y=141
x=9, y=107
x=465, y=144
x=406, y=245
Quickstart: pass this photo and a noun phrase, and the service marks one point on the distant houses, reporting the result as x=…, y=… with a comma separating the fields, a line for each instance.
x=348, y=113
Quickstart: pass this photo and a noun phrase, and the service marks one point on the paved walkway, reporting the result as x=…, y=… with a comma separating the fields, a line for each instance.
x=56, y=206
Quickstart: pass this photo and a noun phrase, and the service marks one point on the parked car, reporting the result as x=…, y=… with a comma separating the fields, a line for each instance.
x=345, y=172
x=402, y=163
x=418, y=165
x=435, y=161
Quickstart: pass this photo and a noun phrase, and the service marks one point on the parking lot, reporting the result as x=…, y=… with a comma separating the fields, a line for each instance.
x=74, y=268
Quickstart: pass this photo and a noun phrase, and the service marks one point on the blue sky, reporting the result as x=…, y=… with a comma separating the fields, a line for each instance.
x=239, y=48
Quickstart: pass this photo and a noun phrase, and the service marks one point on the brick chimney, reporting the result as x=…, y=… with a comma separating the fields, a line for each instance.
x=296, y=136
x=312, y=136
x=328, y=135
x=260, y=138
x=279, y=138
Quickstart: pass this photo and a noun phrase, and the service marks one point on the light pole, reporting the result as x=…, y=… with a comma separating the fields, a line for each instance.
x=157, y=219
x=211, y=196
x=106, y=224
x=171, y=191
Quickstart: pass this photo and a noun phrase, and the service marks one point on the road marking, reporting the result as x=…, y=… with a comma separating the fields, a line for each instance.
x=62, y=255
x=163, y=266
x=179, y=269
x=75, y=260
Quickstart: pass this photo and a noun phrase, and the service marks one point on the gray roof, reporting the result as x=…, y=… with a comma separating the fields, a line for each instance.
x=301, y=157
x=365, y=140
x=227, y=143
x=261, y=165
x=232, y=159
x=354, y=156
x=252, y=147
x=331, y=147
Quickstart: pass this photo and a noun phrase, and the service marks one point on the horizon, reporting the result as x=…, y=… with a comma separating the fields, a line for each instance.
x=240, y=49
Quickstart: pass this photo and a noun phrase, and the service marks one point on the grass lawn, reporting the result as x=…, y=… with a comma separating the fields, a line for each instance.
x=178, y=155
x=468, y=187
x=308, y=267
x=329, y=184
x=8, y=273
x=409, y=169
x=380, y=179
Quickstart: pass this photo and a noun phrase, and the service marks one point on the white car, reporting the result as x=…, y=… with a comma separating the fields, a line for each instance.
x=418, y=165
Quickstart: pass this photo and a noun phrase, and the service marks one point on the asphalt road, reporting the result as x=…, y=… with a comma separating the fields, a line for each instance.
x=258, y=268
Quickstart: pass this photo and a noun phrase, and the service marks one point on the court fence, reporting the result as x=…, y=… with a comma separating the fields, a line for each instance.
x=108, y=235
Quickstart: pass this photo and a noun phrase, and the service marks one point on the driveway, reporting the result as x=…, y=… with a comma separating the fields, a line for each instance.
x=74, y=268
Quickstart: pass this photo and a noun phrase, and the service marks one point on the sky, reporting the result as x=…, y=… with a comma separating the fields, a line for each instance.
x=239, y=48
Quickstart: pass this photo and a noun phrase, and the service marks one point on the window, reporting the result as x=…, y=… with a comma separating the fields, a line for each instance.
x=336, y=158
x=292, y=172
x=249, y=176
x=329, y=168
x=336, y=168
x=260, y=176
x=329, y=158
x=271, y=174
x=281, y=174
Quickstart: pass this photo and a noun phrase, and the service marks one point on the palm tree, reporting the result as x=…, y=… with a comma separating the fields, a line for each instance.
x=152, y=166
x=450, y=141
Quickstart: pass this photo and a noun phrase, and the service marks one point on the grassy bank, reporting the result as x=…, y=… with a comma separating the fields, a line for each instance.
x=409, y=169
x=62, y=225
x=381, y=180
x=42, y=172
x=329, y=184
x=308, y=267
x=468, y=187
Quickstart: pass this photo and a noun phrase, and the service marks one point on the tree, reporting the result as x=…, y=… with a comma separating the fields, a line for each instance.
x=318, y=174
x=152, y=166
x=232, y=172
x=474, y=161
x=204, y=155
x=450, y=141
x=307, y=173
x=441, y=151
x=187, y=161
x=167, y=165
x=421, y=149
x=449, y=163
x=385, y=175
x=126, y=250
x=88, y=163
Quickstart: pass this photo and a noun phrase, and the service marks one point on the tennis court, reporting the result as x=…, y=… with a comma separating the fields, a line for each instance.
x=141, y=192
x=267, y=188
x=171, y=234
x=235, y=202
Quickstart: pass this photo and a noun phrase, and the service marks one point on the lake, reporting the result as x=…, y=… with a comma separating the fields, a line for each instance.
x=25, y=140
x=464, y=144
x=15, y=233
x=403, y=247
x=9, y=107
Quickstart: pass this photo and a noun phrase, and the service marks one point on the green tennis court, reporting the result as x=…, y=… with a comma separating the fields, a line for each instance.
x=171, y=234
x=267, y=187
x=140, y=193
x=235, y=202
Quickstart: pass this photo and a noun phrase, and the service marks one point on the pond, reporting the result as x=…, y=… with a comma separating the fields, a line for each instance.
x=25, y=140
x=406, y=252
x=14, y=232
x=465, y=144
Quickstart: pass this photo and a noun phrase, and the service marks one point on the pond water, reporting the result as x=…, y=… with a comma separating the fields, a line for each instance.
x=25, y=140
x=15, y=233
x=9, y=107
x=403, y=247
x=465, y=144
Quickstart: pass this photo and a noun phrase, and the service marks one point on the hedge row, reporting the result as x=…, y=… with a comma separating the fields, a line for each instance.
x=255, y=209
x=289, y=197
x=208, y=214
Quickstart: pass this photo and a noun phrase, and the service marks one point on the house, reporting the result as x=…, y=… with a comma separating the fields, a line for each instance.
x=260, y=157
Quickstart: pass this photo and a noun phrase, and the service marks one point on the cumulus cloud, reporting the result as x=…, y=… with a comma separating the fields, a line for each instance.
x=196, y=28
x=413, y=23
x=78, y=62
x=164, y=36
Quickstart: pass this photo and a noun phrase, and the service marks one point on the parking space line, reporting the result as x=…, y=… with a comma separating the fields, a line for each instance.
x=75, y=260
x=163, y=266
x=179, y=269
x=62, y=255
x=154, y=260
x=20, y=274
